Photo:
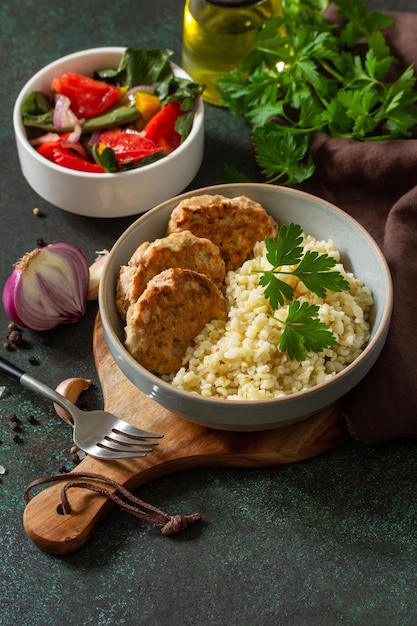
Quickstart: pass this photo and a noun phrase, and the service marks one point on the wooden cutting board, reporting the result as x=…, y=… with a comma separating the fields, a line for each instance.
x=185, y=446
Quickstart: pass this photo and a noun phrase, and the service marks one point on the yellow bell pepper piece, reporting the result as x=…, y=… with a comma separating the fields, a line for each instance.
x=100, y=147
x=147, y=104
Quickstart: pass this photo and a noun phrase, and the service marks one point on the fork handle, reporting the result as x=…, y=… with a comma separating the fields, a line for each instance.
x=10, y=369
x=33, y=384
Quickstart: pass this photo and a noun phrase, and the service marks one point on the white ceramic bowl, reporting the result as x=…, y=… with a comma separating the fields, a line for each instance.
x=104, y=195
x=359, y=253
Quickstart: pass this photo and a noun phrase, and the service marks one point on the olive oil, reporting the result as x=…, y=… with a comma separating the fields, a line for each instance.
x=217, y=35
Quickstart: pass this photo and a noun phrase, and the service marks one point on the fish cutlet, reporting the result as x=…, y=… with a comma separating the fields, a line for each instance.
x=235, y=225
x=180, y=249
x=173, y=309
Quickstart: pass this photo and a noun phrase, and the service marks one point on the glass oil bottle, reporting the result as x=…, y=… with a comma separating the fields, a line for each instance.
x=217, y=34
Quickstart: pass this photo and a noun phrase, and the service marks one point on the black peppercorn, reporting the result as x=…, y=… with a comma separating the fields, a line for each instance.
x=15, y=337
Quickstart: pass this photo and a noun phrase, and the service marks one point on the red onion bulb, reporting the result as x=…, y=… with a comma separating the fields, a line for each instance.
x=47, y=287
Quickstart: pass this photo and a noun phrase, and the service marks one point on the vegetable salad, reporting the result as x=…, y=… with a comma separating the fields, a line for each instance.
x=117, y=120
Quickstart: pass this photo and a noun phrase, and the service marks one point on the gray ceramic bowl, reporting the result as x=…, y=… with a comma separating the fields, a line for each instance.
x=360, y=254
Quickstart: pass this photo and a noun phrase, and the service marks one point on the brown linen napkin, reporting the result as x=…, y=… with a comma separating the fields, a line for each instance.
x=376, y=183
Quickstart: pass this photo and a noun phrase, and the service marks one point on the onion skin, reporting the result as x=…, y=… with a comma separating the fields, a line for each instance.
x=47, y=287
x=8, y=301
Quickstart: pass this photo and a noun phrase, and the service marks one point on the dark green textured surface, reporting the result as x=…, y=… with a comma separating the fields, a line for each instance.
x=328, y=541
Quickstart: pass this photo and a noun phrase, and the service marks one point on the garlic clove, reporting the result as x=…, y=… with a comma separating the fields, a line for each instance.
x=96, y=272
x=71, y=388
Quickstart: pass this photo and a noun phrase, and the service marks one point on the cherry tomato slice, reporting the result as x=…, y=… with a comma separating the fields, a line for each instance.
x=128, y=146
x=89, y=97
x=161, y=128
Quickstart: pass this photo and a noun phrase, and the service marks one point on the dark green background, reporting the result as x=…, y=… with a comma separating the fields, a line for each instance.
x=328, y=541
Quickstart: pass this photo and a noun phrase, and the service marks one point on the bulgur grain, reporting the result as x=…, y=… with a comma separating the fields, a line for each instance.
x=239, y=359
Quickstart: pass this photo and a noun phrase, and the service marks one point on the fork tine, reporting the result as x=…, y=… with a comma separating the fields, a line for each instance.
x=107, y=453
x=128, y=429
x=119, y=437
x=110, y=444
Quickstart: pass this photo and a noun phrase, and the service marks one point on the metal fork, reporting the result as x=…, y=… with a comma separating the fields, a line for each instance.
x=98, y=433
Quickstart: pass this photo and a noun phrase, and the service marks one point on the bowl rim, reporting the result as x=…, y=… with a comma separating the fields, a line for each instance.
x=21, y=135
x=379, y=335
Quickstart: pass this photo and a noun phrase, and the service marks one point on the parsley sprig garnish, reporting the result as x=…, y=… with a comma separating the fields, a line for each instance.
x=303, y=330
x=304, y=76
x=311, y=267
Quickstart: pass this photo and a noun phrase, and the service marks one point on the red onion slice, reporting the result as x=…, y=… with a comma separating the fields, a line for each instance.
x=37, y=141
x=64, y=117
x=131, y=92
x=76, y=146
x=147, y=88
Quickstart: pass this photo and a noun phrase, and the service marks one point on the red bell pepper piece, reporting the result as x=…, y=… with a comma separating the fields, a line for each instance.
x=73, y=161
x=89, y=97
x=161, y=128
x=46, y=149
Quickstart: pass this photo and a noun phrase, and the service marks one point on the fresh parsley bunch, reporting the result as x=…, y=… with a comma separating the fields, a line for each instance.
x=302, y=328
x=305, y=76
